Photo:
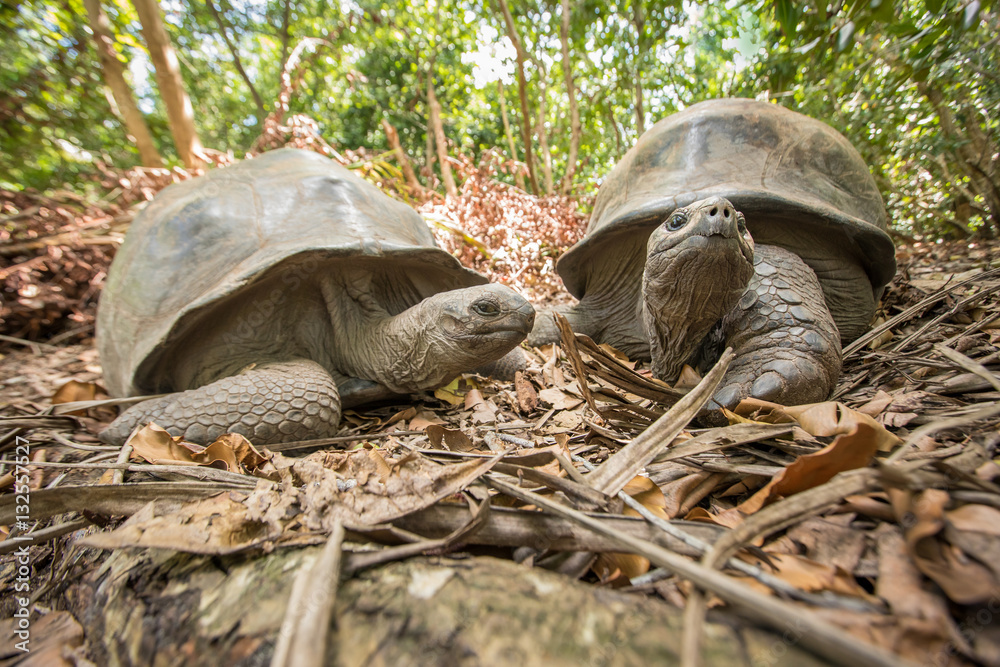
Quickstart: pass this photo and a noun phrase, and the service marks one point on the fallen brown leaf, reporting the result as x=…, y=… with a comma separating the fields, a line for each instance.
x=216, y=525
x=423, y=419
x=859, y=437
x=922, y=515
x=527, y=395
x=451, y=439
x=75, y=391
x=230, y=451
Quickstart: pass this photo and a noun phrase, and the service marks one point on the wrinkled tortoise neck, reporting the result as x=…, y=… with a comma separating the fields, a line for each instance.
x=393, y=350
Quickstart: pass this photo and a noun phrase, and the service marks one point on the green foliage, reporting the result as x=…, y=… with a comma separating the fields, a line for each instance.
x=55, y=118
x=868, y=67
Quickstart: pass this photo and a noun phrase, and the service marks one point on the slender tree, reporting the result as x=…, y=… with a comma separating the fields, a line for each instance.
x=518, y=176
x=522, y=91
x=237, y=62
x=114, y=75
x=180, y=114
x=392, y=136
x=574, y=113
x=437, y=126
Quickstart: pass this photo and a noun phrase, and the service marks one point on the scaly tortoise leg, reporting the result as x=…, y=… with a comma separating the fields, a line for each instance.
x=786, y=343
x=270, y=403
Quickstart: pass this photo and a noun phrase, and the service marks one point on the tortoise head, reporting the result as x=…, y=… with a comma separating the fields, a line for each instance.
x=699, y=263
x=482, y=320
x=457, y=331
x=710, y=231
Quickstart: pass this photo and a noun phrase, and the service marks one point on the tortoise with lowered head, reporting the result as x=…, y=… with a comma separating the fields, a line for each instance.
x=273, y=293
x=733, y=223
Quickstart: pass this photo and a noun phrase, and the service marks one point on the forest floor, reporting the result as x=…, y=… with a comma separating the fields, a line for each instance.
x=901, y=549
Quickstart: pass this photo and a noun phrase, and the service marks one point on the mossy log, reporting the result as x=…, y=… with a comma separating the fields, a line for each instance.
x=157, y=607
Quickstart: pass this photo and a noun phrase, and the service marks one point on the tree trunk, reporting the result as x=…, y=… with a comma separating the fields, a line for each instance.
x=224, y=33
x=180, y=114
x=114, y=77
x=522, y=92
x=975, y=154
x=543, y=142
x=574, y=113
x=404, y=162
x=618, y=132
x=439, y=139
x=640, y=27
x=518, y=176
x=286, y=17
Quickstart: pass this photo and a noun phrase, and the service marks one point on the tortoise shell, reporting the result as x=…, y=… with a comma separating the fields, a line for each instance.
x=799, y=182
x=204, y=240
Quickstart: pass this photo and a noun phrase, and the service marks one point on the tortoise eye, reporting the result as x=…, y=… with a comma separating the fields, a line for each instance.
x=676, y=221
x=741, y=222
x=486, y=309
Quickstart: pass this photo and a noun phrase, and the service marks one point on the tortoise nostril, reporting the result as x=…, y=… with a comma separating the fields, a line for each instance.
x=714, y=212
x=725, y=212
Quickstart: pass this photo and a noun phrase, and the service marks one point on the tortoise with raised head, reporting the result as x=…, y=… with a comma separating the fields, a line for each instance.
x=733, y=223
x=269, y=295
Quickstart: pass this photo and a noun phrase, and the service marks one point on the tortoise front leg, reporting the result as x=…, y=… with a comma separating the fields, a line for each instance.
x=786, y=344
x=270, y=403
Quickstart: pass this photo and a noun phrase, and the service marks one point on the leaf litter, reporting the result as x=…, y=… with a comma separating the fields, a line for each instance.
x=877, y=512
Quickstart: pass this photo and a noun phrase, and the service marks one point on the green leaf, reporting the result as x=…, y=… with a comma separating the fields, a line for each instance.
x=787, y=15
x=882, y=10
x=933, y=6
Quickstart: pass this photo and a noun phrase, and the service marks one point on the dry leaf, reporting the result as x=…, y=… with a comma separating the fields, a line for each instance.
x=729, y=518
x=689, y=378
x=877, y=404
x=354, y=487
x=859, y=437
x=527, y=396
x=75, y=391
x=451, y=439
x=808, y=575
x=618, y=356
x=485, y=413
x=454, y=393
x=423, y=419
x=976, y=518
x=922, y=516
x=901, y=586
x=216, y=525
x=560, y=399
x=831, y=541
x=230, y=451
x=155, y=445
x=243, y=450
x=402, y=415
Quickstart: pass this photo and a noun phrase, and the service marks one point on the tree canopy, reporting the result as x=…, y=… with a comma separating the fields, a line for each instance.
x=563, y=87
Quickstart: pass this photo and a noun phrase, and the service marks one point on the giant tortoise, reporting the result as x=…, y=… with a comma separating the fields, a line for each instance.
x=671, y=270
x=269, y=295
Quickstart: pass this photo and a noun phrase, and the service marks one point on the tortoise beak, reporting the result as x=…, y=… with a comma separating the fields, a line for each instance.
x=517, y=320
